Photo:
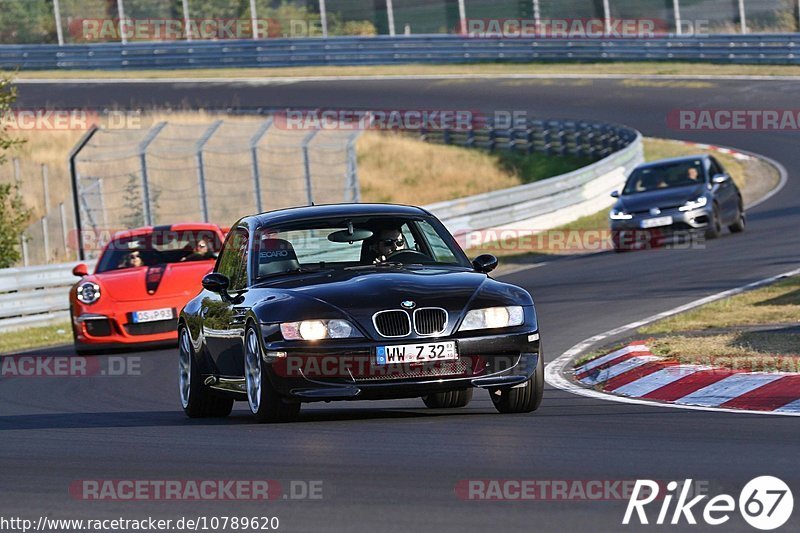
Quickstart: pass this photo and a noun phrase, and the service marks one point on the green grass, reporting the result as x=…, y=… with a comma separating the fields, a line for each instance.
x=36, y=337
x=622, y=68
x=535, y=167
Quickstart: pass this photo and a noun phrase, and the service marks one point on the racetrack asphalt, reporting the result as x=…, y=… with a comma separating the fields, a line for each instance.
x=393, y=466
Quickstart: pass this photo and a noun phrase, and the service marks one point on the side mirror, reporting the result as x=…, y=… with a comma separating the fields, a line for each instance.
x=80, y=270
x=615, y=194
x=216, y=282
x=719, y=179
x=485, y=263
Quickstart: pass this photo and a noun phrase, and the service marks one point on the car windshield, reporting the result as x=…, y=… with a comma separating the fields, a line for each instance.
x=353, y=243
x=665, y=176
x=159, y=247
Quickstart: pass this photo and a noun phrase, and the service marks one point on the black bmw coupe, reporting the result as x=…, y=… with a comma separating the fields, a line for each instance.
x=354, y=302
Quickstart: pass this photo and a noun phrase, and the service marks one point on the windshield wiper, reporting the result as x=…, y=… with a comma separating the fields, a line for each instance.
x=382, y=264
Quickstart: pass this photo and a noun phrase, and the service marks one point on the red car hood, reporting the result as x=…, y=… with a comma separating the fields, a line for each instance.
x=159, y=281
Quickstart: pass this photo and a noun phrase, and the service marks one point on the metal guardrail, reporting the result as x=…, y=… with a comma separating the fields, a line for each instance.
x=571, y=195
x=380, y=50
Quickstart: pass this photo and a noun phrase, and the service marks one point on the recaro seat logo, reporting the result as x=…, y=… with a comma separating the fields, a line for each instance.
x=765, y=503
x=276, y=253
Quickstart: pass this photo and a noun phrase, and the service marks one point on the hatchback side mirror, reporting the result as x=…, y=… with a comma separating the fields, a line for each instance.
x=615, y=194
x=485, y=263
x=719, y=179
x=80, y=270
x=216, y=282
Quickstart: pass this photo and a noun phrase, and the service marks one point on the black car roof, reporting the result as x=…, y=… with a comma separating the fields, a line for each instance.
x=294, y=214
x=672, y=160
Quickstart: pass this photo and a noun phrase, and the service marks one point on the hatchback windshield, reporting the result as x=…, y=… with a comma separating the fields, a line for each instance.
x=665, y=176
x=354, y=242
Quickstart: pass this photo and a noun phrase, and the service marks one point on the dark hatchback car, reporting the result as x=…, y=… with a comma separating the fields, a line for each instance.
x=676, y=198
x=354, y=302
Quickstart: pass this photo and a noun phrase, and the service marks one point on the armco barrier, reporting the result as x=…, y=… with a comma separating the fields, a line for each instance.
x=381, y=50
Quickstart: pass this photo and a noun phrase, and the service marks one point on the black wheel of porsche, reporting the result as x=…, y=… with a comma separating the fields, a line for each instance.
x=715, y=227
x=265, y=403
x=196, y=399
x=521, y=399
x=449, y=399
x=740, y=224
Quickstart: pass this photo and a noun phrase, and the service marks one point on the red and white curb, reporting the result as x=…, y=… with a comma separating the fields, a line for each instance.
x=741, y=156
x=635, y=372
x=559, y=371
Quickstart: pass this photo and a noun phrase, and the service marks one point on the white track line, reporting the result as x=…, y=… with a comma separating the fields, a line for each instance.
x=556, y=369
x=400, y=77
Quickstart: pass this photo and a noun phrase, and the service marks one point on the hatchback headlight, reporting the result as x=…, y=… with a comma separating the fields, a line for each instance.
x=314, y=330
x=493, y=317
x=694, y=204
x=616, y=214
x=88, y=292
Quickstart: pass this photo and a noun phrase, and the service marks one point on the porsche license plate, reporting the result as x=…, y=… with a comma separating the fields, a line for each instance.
x=416, y=353
x=656, y=222
x=153, y=315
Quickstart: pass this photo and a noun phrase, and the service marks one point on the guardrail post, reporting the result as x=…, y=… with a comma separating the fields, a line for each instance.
x=149, y=138
x=254, y=158
x=307, y=166
x=201, y=171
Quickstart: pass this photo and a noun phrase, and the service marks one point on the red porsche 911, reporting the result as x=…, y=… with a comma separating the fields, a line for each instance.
x=142, y=280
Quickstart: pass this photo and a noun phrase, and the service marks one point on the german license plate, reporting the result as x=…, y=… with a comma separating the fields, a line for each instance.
x=656, y=222
x=416, y=353
x=153, y=315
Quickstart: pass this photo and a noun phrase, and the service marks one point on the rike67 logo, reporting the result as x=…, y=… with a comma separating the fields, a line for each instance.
x=765, y=503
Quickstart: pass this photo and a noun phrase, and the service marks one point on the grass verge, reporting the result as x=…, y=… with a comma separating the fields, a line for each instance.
x=36, y=337
x=622, y=68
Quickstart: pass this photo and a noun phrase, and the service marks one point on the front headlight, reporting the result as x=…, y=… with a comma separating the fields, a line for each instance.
x=694, y=204
x=314, y=330
x=88, y=292
x=616, y=214
x=493, y=317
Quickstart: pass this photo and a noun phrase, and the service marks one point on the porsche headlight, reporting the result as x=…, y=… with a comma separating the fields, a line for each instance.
x=314, y=330
x=493, y=317
x=694, y=204
x=617, y=214
x=88, y=292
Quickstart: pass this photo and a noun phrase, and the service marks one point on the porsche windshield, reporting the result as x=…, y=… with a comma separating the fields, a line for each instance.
x=354, y=242
x=159, y=247
x=680, y=174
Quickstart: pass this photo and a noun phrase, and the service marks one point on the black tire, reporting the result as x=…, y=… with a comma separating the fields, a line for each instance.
x=196, y=399
x=741, y=222
x=265, y=403
x=715, y=226
x=524, y=399
x=448, y=400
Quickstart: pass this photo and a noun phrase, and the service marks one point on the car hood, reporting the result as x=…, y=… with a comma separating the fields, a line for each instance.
x=358, y=294
x=662, y=198
x=158, y=281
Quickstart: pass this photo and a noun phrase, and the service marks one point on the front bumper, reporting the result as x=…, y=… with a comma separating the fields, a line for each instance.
x=348, y=370
x=112, y=325
x=685, y=226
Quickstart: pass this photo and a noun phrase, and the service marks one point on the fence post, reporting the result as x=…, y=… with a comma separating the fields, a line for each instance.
x=676, y=10
x=352, y=169
x=64, y=232
x=46, y=189
x=462, y=17
x=537, y=18
x=201, y=171
x=253, y=19
x=254, y=158
x=323, y=18
x=45, y=240
x=24, y=246
x=57, y=16
x=149, y=138
x=743, y=17
x=76, y=196
x=390, y=16
x=607, y=17
x=307, y=166
x=122, y=22
x=17, y=175
x=185, y=6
